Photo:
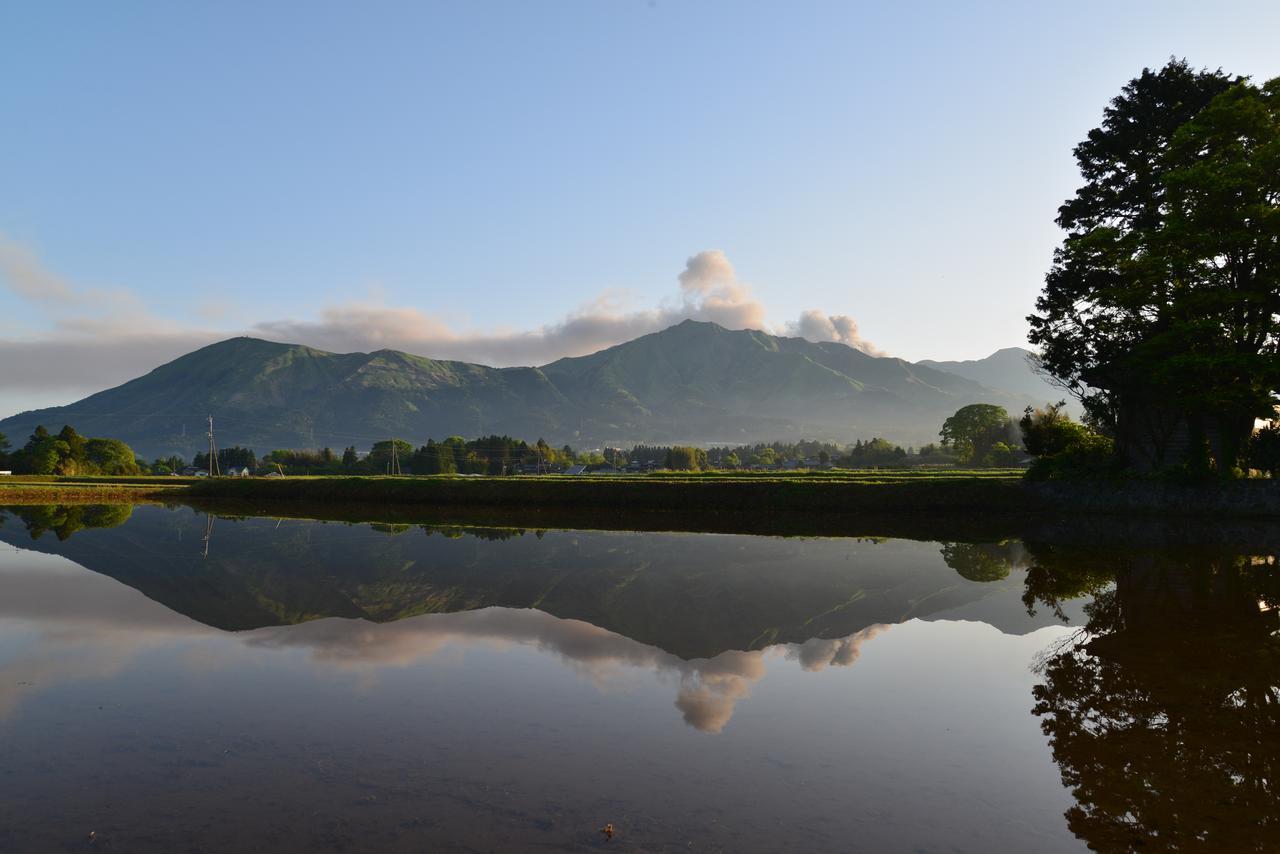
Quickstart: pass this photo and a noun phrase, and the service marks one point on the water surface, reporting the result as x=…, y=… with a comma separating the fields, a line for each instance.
x=172, y=681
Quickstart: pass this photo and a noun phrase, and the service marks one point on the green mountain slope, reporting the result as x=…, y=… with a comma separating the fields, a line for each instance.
x=694, y=382
x=1007, y=369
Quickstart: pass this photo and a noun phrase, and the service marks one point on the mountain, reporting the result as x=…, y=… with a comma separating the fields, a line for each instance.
x=694, y=382
x=1008, y=369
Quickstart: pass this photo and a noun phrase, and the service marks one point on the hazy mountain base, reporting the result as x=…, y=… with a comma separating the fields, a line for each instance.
x=692, y=383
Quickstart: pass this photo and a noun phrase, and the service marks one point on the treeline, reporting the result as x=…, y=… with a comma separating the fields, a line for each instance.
x=68, y=453
x=489, y=455
x=871, y=453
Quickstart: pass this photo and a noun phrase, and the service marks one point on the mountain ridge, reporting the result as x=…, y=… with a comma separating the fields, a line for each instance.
x=695, y=382
x=1009, y=368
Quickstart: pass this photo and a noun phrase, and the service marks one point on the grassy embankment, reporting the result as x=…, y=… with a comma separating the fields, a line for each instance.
x=830, y=502
x=47, y=489
x=702, y=493
x=808, y=503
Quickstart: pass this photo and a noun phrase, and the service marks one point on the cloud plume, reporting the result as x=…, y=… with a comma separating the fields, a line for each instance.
x=814, y=325
x=709, y=291
x=100, y=338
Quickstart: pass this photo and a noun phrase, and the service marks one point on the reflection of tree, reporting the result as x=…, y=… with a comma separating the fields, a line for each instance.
x=64, y=520
x=980, y=561
x=1164, y=717
x=1056, y=574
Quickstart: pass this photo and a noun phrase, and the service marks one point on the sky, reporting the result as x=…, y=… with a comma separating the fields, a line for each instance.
x=511, y=182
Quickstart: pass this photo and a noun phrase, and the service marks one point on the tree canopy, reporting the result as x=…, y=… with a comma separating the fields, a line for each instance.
x=974, y=430
x=1161, y=311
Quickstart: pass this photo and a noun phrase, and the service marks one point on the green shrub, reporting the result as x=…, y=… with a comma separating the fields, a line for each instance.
x=1090, y=456
x=1264, y=450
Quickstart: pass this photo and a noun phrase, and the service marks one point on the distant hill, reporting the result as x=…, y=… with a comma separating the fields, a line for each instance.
x=1008, y=369
x=694, y=382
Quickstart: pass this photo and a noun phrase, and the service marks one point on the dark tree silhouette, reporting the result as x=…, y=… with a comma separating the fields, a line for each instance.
x=1164, y=716
x=1160, y=310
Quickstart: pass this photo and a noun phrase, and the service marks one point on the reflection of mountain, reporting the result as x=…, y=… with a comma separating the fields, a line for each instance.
x=691, y=595
x=90, y=625
x=1165, y=717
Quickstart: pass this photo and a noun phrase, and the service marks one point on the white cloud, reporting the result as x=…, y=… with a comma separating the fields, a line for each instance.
x=709, y=290
x=100, y=338
x=841, y=328
x=22, y=271
x=707, y=689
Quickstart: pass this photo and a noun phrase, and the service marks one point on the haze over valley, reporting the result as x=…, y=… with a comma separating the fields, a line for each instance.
x=692, y=383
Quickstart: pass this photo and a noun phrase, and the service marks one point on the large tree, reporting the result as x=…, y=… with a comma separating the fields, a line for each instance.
x=974, y=430
x=1220, y=249
x=1158, y=311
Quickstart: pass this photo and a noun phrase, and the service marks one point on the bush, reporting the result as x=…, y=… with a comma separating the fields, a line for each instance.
x=1050, y=431
x=1001, y=456
x=1264, y=450
x=1064, y=449
x=1089, y=456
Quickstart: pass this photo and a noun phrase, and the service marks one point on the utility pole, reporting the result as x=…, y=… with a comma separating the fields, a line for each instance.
x=213, y=451
x=393, y=467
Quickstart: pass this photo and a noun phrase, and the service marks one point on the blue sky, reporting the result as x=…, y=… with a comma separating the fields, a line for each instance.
x=508, y=182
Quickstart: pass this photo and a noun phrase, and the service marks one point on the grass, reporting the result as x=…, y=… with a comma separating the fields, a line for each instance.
x=49, y=489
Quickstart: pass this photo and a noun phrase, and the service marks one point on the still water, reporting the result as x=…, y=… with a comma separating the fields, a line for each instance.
x=172, y=681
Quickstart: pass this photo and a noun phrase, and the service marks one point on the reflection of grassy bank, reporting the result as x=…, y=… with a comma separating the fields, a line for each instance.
x=930, y=526
x=1112, y=530
x=704, y=495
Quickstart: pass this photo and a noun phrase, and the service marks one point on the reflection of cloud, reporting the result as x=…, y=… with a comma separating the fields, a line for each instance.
x=708, y=689
x=89, y=626
x=711, y=688
x=820, y=653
